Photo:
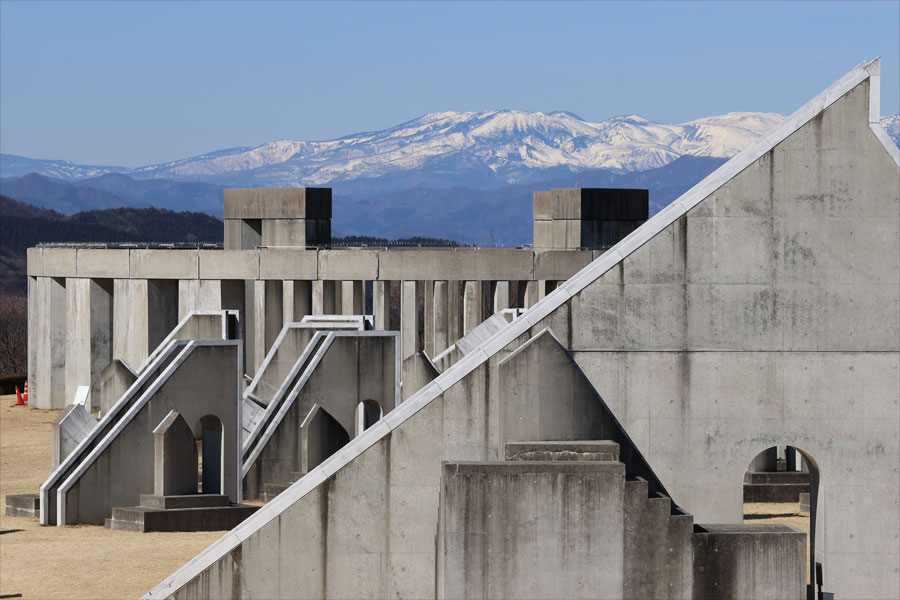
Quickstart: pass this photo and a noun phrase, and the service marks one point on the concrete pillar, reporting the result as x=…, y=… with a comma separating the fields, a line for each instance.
x=532, y=293
x=33, y=335
x=88, y=335
x=381, y=304
x=473, y=301
x=255, y=329
x=439, y=317
x=501, y=295
x=287, y=301
x=300, y=303
x=130, y=324
x=188, y=297
x=274, y=312
x=162, y=307
x=428, y=317
x=47, y=384
x=352, y=297
x=210, y=297
x=323, y=297
x=409, y=330
x=454, y=312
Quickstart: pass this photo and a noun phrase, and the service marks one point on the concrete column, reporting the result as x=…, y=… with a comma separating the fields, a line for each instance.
x=501, y=295
x=210, y=295
x=188, y=297
x=33, y=335
x=428, y=317
x=88, y=335
x=532, y=293
x=274, y=312
x=162, y=310
x=381, y=304
x=323, y=297
x=78, y=336
x=47, y=387
x=473, y=301
x=359, y=297
x=409, y=330
x=301, y=300
x=439, y=317
x=287, y=301
x=348, y=304
x=256, y=309
x=130, y=326
x=454, y=312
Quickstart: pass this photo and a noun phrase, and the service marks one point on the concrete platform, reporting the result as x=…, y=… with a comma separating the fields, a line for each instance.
x=23, y=505
x=593, y=450
x=774, y=492
x=196, y=512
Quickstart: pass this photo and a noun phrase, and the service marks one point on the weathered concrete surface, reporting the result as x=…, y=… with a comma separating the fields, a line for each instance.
x=205, y=381
x=531, y=530
x=769, y=314
x=174, y=457
x=67, y=430
x=749, y=561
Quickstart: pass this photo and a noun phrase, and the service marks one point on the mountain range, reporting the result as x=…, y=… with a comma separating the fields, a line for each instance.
x=460, y=175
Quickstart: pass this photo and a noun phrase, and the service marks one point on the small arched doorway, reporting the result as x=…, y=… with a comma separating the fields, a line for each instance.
x=211, y=449
x=781, y=485
x=368, y=412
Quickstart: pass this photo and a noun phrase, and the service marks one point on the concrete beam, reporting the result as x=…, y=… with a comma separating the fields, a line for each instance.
x=229, y=264
x=164, y=264
x=288, y=263
x=352, y=263
x=457, y=263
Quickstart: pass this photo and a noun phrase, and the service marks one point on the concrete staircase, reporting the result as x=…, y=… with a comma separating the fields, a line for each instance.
x=270, y=490
x=192, y=512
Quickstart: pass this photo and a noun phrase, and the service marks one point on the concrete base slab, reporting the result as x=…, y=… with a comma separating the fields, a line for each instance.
x=204, y=518
x=23, y=505
x=774, y=492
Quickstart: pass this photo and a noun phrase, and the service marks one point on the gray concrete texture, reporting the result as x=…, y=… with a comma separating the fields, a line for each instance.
x=68, y=429
x=205, y=381
x=768, y=315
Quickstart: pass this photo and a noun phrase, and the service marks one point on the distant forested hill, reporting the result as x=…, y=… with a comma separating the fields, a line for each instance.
x=23, y=226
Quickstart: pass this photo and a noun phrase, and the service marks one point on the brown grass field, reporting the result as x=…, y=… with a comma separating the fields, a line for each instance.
x=84, y=561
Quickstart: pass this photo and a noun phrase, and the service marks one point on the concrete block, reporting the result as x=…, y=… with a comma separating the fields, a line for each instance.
x=277, y=203
x=749, y=561
x=284, y=263
x=543, y=206
x=34, y=265
x=99, y=263
x=58, y=262
x=69, y=428
x=559, y=265
x=164, y=264
x=357, y=264
x=229, y=264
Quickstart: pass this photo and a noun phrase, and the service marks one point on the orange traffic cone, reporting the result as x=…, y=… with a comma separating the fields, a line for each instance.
x=25, y=393
x=19, y=400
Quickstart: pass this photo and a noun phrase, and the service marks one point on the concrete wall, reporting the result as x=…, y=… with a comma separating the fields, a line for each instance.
x=769, y=314
x=531, y=530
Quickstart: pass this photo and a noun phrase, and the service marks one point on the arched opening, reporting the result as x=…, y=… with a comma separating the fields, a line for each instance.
x=368, y=412
x=321, y=435
x=781, y=485
x=210, y=450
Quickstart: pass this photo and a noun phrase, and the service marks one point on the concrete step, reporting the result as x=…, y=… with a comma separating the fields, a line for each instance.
x=270, y=490
x=578, y=450
x=774, y=492
x=779, y=477
x=23, y=505
x=184, y=501
x=208, y=518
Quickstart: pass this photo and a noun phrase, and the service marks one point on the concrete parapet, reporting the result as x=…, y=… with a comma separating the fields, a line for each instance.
x=764, y=562
x=500, y=535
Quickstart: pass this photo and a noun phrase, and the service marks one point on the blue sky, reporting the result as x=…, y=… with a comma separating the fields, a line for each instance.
x=133, y=83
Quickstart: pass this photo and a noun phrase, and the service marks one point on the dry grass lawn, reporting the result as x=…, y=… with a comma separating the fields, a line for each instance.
x=85, y=561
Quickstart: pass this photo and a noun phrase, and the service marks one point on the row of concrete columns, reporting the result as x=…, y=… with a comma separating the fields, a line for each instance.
x=78, y=325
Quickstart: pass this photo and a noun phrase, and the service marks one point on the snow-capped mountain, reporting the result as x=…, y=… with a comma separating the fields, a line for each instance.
x=507, y=146
x=482, y=150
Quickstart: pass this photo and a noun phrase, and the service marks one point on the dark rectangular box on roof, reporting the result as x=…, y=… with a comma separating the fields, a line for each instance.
x=614, y=204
